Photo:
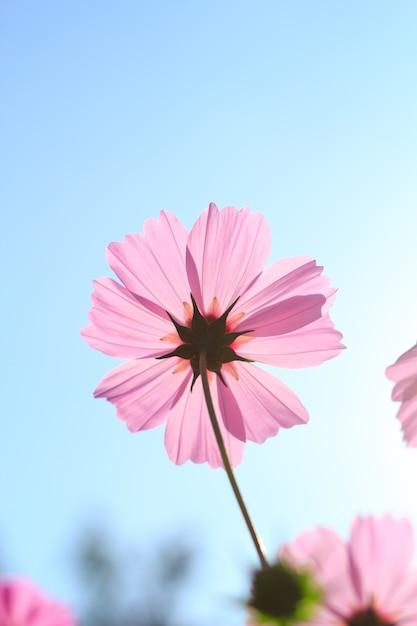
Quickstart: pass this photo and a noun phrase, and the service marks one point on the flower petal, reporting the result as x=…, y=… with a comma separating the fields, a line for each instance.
x=295, y=276
x=403, y=601
x=303, y=346
x=321, y=547
x=143, y=391
x=226, y=252
x=306, y=347
x=286, y=316
x=325, y=553
x=22, y=603
x=18, y=598
x=230, y=411
x=189, y=434
x=121, y=326
x=404, y=373
x=152, y=264
x=265, y=403
x=408, y=418
x=380, y=555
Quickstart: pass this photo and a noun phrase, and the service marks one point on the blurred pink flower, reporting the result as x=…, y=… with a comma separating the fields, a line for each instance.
x=404, y=374
x=22, y=604
x=366, y=582
x=208, y=286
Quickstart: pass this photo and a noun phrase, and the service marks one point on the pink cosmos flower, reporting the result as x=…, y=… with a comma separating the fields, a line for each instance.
x=404, y=374
x=22, y=604
x=366, y=582
x=182, y=291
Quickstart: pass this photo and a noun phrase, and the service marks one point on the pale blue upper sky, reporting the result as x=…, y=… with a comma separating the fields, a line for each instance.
x=112, y=111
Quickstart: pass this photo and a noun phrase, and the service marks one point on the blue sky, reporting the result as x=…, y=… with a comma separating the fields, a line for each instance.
x=111, y=112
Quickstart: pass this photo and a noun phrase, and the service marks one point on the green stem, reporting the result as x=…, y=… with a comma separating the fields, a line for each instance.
x=225, y=459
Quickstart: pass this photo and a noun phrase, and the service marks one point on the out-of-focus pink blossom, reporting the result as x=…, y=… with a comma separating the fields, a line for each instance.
x=182, y=292
x=22, y=604
x=404, y=373
x=368, y=581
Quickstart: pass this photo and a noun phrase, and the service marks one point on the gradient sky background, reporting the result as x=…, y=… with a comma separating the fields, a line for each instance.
x=111, y=111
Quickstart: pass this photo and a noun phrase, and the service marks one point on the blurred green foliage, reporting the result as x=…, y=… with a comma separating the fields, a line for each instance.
x=120, y=588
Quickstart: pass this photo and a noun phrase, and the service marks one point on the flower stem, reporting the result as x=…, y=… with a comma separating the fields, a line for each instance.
x=225, y=459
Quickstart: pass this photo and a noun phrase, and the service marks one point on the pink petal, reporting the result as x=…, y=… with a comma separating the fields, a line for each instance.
x=380, y=554
x=230, y=412
x=22, y=603
x=403, y=600
x=16, y=600
x=265, y=403
x=321, y=547
x=286, y=316
x=189, y=434
x=310, y=344
x=405, y=389
x=142, y=391
x=404, y=373
x=408, y=418
x=296, y=276
x=226, y=252
x=152, y=264
x=306, y=347
x=121, y=326
x=325, y=553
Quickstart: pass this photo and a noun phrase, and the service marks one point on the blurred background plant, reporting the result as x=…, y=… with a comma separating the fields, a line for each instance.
x=120, y=587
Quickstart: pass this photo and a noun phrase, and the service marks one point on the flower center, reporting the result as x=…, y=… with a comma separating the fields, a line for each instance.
x=368, y=617
x=207, y=335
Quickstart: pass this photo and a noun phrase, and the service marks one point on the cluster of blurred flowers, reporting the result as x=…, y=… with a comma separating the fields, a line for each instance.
x=200, y=305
